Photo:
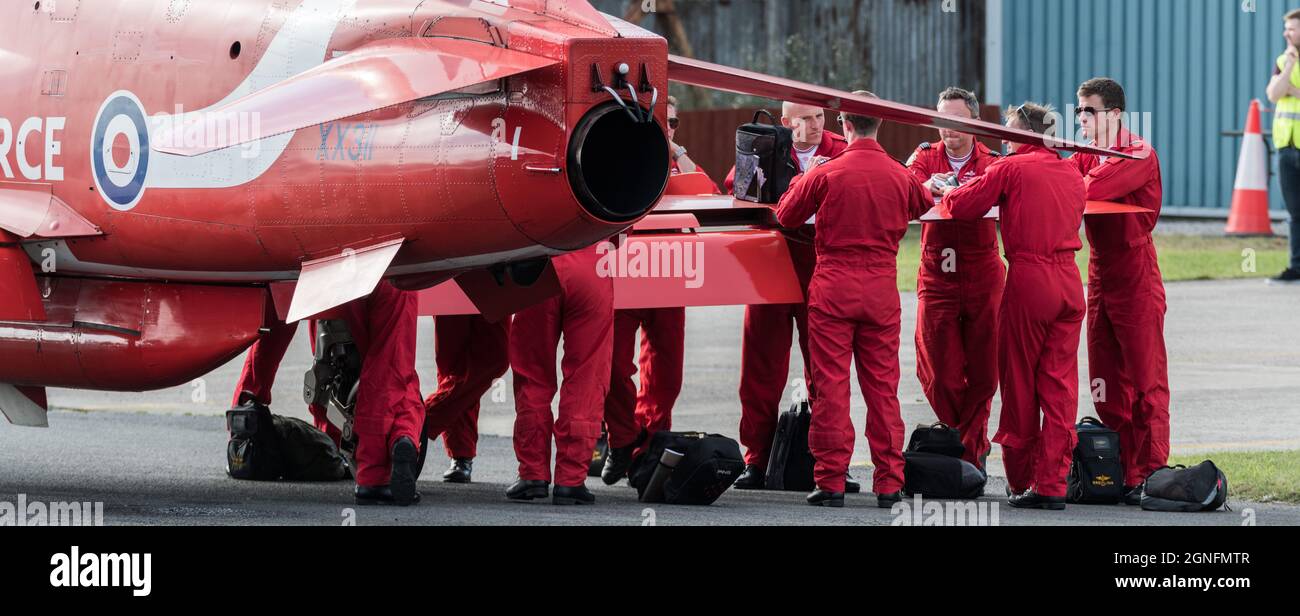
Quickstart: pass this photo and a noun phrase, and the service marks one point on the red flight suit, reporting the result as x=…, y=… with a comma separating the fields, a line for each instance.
x=1042, y=203
x=388, y=402
x=263, y=362
x=663, y=351
x=864, y=201
x=1126, y=309
x=959, y=290
x=676, y=169
x=583, y=314
x=389, y=405
x=471, y=353
x=768, y=333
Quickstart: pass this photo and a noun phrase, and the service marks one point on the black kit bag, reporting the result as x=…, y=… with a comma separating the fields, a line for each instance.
x=937, y=438
x=935, y=475
x=1097, y=471
x=253, y=451
x=764, y=160
x=790, y=463
x=1186, y=490
x=307, y=453
x=708, y=466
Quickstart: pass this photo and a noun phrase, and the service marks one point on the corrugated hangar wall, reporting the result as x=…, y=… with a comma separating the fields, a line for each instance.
x=904, y=50
x=1193, y=65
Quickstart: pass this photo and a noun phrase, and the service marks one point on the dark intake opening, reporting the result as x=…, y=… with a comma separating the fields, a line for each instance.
x=618, y=167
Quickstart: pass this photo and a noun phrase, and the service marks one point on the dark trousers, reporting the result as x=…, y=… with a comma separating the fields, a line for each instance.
x=1288, y=171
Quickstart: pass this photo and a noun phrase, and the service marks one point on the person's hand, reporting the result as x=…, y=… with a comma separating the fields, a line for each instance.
x=1292, y=54
x=818, y=161
x=945, y=189
x=937, y=182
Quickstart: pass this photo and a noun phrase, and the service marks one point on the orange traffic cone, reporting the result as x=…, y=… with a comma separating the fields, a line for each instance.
x=1250, y=193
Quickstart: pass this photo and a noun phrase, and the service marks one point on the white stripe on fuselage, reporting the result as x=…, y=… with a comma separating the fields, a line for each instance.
x=300, y=45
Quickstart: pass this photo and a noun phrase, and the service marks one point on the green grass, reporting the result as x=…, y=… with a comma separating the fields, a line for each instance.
x=1181, y=258
x=1260, y=476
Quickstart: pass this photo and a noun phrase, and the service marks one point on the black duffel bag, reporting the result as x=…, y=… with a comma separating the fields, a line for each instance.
x=267, y=447
x=937, y=438
x=1096, y=472
x=705, y=467
x=764, y=160
x=307, y=453
x=1186, y=490
x=934, y=475
x=253, y=451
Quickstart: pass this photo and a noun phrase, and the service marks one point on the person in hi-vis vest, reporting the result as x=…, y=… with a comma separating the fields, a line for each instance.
x=1284, y=93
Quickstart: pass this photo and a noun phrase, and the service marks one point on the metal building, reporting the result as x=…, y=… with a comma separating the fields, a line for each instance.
x=1192, y=65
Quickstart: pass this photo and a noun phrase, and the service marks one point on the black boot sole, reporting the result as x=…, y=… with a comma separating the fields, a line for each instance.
x=402, y=481
x=567, y=501
x=456, y=479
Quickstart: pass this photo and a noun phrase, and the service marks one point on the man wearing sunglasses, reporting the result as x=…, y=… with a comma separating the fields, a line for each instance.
x=1127, y=362
x=959, y=288
x=633, y=414
x=863, y=201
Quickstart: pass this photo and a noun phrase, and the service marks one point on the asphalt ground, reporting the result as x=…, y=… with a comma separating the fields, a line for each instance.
x=157, y=457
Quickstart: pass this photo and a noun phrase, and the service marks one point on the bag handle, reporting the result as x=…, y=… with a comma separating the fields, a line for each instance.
x=1092, y=420
x=940, y=424
x=771, y=118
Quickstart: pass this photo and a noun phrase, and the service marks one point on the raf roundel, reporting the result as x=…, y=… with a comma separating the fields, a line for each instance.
x=119, y=151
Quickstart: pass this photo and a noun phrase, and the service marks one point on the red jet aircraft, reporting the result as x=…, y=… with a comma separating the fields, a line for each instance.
x=170, y=171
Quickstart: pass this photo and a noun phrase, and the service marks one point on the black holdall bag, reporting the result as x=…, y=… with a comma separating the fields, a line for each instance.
x=1186, y=490
x=253, y=451
x=706, y=465
x=790, y=461
x=935, y=475
x=307, y=453
x=937, y=438
x=268, y=447
x=1097, y=471
x=764, y=160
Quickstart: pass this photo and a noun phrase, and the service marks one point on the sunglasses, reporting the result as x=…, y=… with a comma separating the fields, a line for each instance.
x=672, y=123
x=1092, y=111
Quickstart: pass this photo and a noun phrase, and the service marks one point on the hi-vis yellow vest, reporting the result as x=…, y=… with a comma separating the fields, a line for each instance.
x=1286, y=118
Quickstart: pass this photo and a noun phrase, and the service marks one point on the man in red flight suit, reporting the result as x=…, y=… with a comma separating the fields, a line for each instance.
x=583, y=314
x=1127, y=363
x=1042, y=203
x=389, y=414
x=471, y=354
x=631, y=414
x=769, y=329
x=863, y=200
x=959, y=289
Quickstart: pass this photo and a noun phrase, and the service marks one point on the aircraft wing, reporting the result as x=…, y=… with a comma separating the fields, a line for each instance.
x=374, y=76
x=717, y=77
